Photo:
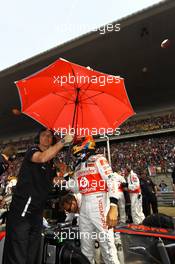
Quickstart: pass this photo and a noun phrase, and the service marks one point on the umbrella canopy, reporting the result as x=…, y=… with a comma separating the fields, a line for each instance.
x=65, y=95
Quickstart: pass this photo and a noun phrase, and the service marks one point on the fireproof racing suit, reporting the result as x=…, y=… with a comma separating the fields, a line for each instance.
x=120, y=180
x=135, y=197
x=94, y=180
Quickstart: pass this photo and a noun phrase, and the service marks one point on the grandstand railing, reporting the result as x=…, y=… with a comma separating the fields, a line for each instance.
x=166, y=199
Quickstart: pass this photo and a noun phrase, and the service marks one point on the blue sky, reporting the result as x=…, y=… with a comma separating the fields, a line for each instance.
x=30, y=27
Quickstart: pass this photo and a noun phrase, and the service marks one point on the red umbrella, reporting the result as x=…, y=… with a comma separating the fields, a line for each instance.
x=65, y=95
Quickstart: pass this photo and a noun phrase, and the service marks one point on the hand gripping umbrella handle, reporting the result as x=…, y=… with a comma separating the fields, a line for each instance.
x=74, y=124
x=68, y=154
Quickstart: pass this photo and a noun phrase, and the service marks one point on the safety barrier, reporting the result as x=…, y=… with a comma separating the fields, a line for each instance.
x=166, y=199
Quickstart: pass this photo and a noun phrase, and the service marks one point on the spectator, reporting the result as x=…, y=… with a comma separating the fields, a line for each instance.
x=163, y=186
x=8, y=154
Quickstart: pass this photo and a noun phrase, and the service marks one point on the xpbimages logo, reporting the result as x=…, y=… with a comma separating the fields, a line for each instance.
x=63, y=235
x=71, y=79
x=81, y=131
x=84, y=184
x=71, y=27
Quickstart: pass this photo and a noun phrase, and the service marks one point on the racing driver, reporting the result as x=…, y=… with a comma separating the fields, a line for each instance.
x=93, y=178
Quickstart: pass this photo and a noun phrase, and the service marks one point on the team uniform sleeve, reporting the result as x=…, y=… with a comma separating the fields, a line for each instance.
x=133, y=183
x=123, y=182
x=69, y=217
x=122, y=179
x=108, y=176
x=153, y=185
x=3, y=168
x=71, y=183
x=3, y=165
x=30, y=152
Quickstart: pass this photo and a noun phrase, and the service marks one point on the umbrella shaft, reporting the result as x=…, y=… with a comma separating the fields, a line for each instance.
x=76, y=107
x=73, y=121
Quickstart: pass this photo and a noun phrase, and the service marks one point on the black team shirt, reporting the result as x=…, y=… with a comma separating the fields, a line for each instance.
x=3, y=165
x=173, y=175
x=34, y=184
x=147, y=187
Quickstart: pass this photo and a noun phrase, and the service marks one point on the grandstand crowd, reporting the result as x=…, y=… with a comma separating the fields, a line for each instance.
x=140, y=154
x=145, y=153
x=149, y=124
x=149, y=152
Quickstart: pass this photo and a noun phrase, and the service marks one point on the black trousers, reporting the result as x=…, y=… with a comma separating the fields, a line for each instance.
x=23, y=238
x=149, y=202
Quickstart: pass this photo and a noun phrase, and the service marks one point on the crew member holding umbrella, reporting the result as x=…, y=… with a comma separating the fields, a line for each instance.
x=24, y=222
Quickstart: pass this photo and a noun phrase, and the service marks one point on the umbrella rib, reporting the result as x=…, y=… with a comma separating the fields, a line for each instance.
x=81, y=107
x=66, y=90
x=89, y=103
x=89, y=97
x=74, y=76
x=86, y=88
x=63, y=97
x=65, y=87
x=76, y=120
x=84, y=91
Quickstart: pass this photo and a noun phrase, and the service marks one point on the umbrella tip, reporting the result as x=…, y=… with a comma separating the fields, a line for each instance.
x=63, y=59
x=89, y=68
